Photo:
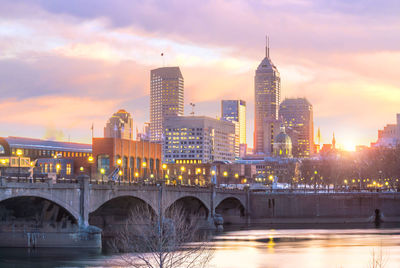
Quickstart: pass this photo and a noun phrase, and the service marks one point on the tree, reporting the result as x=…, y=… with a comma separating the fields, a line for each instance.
x=154, y=241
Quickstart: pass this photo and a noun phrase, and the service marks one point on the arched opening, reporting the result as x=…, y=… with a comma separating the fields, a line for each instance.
x=35, y=214
x=191, y=206
x=232, y=211
x=113, y=215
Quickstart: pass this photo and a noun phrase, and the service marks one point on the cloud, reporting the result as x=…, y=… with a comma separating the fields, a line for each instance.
x=341, y=55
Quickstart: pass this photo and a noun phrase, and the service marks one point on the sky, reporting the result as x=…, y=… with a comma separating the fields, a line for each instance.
x=67, y=64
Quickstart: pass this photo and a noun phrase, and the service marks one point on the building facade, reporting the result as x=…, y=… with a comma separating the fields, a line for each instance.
x=198, y=139
x=235, y=111
x=138, y=160
x=70, y=155
x=166, y=98
x=267, y=89
x=120, y=125
x=297, y=117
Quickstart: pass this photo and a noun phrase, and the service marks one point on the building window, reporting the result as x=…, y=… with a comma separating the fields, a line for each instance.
x=103, y=162
x=2, y=151
x=68, y=170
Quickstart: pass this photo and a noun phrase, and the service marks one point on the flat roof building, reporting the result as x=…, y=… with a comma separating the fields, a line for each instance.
x=166, y=98
x=235, y=111
x=198, y=139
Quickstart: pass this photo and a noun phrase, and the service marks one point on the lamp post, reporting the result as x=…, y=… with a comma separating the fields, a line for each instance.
x=198, y=172
x=90, y=160
x=225, y=174
x=144, y=165
x=181, y=176
x=19, y=153
x=102, y=171
x=164, y=168
x=119, y=163
x=136, y=176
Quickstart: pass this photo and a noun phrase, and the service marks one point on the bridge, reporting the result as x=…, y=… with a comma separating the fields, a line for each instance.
x=73, y=209
x=81, y=213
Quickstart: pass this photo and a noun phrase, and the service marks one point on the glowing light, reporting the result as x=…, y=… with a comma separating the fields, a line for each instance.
x=90, y=159
x=81, y=169
x=136, y=174
x=164, y=166
x=102, y=171
x=19, y=152
x=225, y=174
x=119, y=161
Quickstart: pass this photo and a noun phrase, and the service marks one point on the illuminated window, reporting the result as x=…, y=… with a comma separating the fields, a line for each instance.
x=68, y=170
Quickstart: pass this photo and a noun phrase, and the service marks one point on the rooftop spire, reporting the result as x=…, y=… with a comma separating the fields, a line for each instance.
x=267, y=47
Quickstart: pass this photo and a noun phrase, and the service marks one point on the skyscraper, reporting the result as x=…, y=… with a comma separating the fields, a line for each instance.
x=267, y=86
x=297, y=116
x=166, y=98
x=120, y=125
x=235, y=111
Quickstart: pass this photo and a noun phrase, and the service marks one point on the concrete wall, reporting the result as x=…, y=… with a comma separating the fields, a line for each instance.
x=330, y=208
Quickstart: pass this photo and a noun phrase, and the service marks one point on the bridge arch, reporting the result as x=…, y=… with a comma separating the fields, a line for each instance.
x=96, y=204
x=43, y=195
x=114, y=212
x=191, y=205
x=231, y=209
x=29, y=213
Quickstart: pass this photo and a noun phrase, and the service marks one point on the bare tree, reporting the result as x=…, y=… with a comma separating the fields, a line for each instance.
x=377, y=260
x=150, y=240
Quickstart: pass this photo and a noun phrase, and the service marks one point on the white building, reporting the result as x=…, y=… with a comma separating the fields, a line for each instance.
x=198, y=139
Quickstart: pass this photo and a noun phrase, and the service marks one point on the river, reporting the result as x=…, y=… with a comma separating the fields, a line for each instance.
x=261, y=247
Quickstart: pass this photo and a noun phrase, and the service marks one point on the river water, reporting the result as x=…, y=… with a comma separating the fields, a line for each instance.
x=261, y=247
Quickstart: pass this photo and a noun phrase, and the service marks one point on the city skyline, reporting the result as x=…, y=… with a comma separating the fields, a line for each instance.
x=107, y=55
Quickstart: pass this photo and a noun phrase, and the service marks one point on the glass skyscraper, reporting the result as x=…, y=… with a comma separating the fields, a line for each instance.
x=297, y=116
x=166, y=98
x=235, y=111
x=267, y=87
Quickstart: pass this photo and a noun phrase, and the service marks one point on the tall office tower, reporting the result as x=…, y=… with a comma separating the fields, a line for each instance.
x=166, y=98
x=267, y=85
x=297, y=116
x=235, y=111
x=120, y=125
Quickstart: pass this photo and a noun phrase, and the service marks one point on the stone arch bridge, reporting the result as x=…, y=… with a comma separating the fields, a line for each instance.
x=84, y=204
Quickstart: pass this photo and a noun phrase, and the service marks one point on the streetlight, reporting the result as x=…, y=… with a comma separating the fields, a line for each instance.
x=90, y=160
x=164, y=167
x=81, y=169
x=144, y=165
x=102, y=171
x=19, y=153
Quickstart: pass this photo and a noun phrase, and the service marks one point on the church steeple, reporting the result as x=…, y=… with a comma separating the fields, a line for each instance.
x=333, y=141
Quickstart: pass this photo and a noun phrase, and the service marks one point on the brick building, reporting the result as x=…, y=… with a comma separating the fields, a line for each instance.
x=138, y=159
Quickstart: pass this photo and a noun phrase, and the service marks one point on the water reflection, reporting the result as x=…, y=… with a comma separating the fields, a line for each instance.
x=260, y=248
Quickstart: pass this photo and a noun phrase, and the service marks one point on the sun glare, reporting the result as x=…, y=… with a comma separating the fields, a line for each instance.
x=349, y=145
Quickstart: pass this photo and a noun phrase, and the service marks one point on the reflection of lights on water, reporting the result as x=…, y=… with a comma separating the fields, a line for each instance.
x=271, y=243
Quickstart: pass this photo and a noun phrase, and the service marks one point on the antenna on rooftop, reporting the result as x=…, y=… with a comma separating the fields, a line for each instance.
x=193, y=105
x=267, y=47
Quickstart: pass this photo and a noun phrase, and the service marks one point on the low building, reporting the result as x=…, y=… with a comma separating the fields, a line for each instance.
x=78, y=153
x=198, y=139
x=137, y=160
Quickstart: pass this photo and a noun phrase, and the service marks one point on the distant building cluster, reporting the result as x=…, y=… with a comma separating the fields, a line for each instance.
x=194, y=148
